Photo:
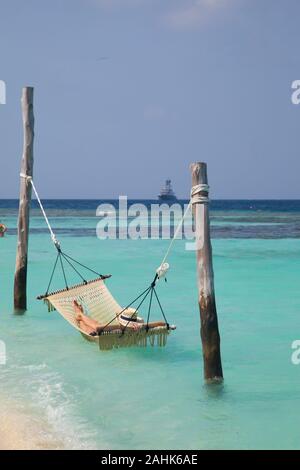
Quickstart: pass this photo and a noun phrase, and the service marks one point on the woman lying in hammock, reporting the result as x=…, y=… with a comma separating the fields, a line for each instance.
x=127, y=319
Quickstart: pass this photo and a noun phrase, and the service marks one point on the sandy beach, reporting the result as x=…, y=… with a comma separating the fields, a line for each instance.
x=13, y=434
x=20, y=431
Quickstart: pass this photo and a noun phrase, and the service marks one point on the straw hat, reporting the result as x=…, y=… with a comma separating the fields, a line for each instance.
x=129, y=316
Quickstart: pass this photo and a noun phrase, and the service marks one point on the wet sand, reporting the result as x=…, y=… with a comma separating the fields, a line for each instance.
x=19, y=431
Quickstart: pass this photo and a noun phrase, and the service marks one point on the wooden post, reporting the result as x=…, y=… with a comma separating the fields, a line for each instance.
x=208, y=313
x=20, y=284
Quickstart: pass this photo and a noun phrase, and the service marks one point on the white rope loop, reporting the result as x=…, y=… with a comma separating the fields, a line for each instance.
x=53, y=237
x=197, y=195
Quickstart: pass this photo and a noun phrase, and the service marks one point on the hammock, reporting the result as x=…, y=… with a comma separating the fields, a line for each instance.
x=98, y=303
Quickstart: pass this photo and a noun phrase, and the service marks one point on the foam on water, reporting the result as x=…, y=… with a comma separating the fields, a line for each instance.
x=37, y=395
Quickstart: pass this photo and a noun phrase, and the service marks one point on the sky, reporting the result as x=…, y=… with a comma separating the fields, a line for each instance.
x=130, y=92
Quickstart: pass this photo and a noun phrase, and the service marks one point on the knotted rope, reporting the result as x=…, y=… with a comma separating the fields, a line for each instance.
x=199, y=193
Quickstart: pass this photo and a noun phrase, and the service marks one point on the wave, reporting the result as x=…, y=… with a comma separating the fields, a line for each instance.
x=45, y=415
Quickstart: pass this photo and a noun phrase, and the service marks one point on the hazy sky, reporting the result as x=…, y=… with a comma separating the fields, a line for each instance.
x=129, y=92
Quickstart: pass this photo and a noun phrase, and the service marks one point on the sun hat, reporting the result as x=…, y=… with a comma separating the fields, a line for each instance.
x=129, y=316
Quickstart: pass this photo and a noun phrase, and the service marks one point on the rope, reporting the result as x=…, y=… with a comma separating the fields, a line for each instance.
x=149, y=308
x=141, y=302
x=66, y=257
x=161, y=309
x=199, y=193
x=146, y=292
x=72, y=266
x=63, y=269
x=53, y=271
x=53, y=237
x=176, y=233
x=82, y=265
x=197, y=196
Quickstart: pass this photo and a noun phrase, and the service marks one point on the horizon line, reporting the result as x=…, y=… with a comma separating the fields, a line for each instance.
x=149, y=199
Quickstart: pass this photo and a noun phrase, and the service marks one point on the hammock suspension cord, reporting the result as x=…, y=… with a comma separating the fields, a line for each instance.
x=199, y=194
x=61, y=256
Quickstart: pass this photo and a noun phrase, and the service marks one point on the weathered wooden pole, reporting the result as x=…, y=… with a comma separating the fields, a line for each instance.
x=20, y=284
x=207, y=304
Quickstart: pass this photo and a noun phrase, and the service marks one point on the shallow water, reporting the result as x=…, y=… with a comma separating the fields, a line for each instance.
x=155, y=398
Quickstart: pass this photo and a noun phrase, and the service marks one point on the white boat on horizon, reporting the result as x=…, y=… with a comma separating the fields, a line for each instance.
x=167, y=193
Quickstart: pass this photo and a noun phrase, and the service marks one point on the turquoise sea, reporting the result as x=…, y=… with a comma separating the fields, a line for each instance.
x=75, y=396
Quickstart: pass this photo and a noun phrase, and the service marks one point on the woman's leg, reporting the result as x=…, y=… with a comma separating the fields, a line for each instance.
x=154, y=324
x=83, y=319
